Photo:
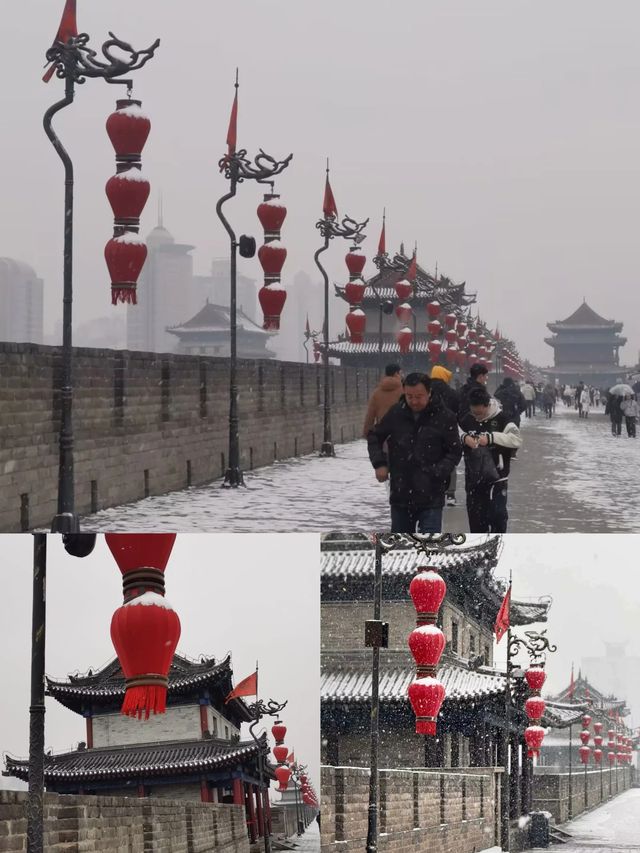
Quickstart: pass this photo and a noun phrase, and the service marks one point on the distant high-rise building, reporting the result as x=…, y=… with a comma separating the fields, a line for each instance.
x=164, y=291
x=218, y=285
x=21, y=293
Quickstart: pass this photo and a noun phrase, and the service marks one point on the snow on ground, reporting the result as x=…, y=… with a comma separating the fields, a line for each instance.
x=613, y=826
x=309, y=842
x=570, y=475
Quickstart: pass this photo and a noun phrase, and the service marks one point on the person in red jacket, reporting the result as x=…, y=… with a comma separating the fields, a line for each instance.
x=385, y=395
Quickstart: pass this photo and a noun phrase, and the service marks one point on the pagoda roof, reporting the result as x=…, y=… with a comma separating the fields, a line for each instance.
x=593, y=699
x=584, y=317
x=343, y=572
x=186, y=677
x=216, y=318
x=168, y=758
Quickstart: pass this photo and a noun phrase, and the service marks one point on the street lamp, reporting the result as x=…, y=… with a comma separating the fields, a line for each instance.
x=259, y=710
x=78, y=545
x=71, y=59
x=330, y=228
x=237, y=167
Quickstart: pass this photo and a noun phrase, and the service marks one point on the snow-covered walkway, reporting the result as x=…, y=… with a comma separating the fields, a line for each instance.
x=614, y=826
x=571, y=475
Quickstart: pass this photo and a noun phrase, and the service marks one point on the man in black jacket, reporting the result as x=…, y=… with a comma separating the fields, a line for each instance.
x=423, y=448
x=490, y=438
x=511, y=399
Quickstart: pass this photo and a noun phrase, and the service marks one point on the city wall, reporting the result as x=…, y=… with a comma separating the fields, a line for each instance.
x=553, y=791
x=149, y=423
x=124, y=825
x=443, y=811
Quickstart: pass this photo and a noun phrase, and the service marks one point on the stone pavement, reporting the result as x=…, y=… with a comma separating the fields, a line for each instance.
x=571, y=475
x=612, y=827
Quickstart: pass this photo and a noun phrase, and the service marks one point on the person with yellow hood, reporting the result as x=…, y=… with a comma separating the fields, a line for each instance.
x=441, y=390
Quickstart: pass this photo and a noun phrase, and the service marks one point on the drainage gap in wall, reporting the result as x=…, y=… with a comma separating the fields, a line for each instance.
x=222, y=466
x=342, y=435
x=313, y=441
x=94, y=496
x=146, y=483
x=275, y=451
x=189, y=474
x=251, y=458
x=295, y=446
x=24, y=512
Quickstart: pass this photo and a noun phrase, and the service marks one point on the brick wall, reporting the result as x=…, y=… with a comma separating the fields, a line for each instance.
x=148, y=423
x=440, y=811
x=551, y=791
x=124, y=825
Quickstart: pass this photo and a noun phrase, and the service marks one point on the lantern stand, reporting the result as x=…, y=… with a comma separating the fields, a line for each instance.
x=237, y=168
x=570, y=810
x=329, y=228
x=377, y=637
x=78, y=545
x=73, y=61
x=536, y=645
x=297, y=771
x=258, y=710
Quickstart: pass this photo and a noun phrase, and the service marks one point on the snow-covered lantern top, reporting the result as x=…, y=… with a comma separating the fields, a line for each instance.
x=355, y=262
x=272, y=214
x=433, y=309
x=427, y=591
x=128, y=129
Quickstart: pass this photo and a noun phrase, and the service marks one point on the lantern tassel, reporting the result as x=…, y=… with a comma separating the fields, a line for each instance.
x=143, y=700
x=123, y=294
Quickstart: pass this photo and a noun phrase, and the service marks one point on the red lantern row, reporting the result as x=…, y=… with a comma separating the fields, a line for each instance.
x=280, y=752
x=534, y=709
x=356, y=319
x=128, y=190
x=145, y=630
x=272, y=255
x=426, y=642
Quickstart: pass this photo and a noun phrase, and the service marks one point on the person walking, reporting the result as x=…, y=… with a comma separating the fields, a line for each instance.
x=529, y=394
x=613, y=409
x=442, y=391
x=386, y=394
x=548, y=400
x=416, y=446
x=511, y=399
x=478, y=377
x=489, y=438
x=578, y=397
x=585, y=403
x=630, y=410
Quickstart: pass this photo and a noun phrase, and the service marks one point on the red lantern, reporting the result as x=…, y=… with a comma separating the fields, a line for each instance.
x=145, y=632
x=471, y=334
x=451, y=336
x=584, y=737
x=535, y=678
x=403, y=313
x=354, y=291
x=598, y=740
x=426, y=643
x=272, y=298
x=356, y=323
x=462, y=358
x=451, y=355
x=272, y=214
x=125, y=256
x=283, y=774
x=405, y=337
x=279, y=732
x=534, y=707
x=128, y=193
x=427, y=590
x=462, y=327
x=612, y=734
x=534, y=735
x=426, y=696
x=433, y=309
x=611, y=757
x=584, y=754
x=450, y=321
x=586, y=721
x=280, y=754
x=355, y=262
x=597, y=755
x=128, y=129
x=133, y=550
x=434, y=328
x=404, y=289
x=435, y=349
x=272, y=257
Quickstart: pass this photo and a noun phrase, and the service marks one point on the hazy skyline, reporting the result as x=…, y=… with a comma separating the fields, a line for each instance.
x=254, y=596
x=500, y=136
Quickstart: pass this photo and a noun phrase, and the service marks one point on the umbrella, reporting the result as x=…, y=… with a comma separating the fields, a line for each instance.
x=622, y=390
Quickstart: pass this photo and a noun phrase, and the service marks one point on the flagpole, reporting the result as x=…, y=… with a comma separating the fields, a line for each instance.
x=506, y=782
x=264, y=794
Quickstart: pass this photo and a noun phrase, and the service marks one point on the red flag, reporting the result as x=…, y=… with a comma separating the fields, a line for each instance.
x=68, y=29
x=587, y=693
x=308, y=328
x=232, y=132
x=329, y=204
x=382, y=242
x=412, y=272
x=247, y=687
x=503, y=618
x=291, y=758
x=572, y=685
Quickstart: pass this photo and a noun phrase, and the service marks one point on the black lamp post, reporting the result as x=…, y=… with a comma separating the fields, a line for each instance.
x=72, y=60
x=78, y=545
x=329, y=228
x=237, y=167
x=258, y=711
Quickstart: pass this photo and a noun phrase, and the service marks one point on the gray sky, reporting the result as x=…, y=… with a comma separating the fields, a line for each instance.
x=596, y=599
x=254, y=595
x=501, y=135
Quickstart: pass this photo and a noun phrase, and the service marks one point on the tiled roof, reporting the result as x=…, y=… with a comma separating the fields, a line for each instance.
x=559, y=715
x=352, y=684
x=585, y=316
x=216, y=318
x=158, y=759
